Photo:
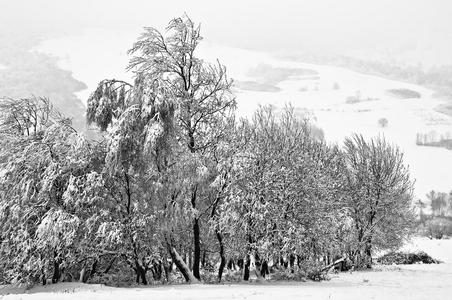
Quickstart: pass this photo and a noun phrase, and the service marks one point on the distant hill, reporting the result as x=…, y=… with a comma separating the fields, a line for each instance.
x=25, y=73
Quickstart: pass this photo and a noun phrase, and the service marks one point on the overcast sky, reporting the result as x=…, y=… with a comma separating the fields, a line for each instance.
x=285, y=25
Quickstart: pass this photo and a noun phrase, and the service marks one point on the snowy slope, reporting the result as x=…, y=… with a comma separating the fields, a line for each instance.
x=320, y=91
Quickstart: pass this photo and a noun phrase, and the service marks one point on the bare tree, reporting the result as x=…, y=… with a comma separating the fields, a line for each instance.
x=438, y=203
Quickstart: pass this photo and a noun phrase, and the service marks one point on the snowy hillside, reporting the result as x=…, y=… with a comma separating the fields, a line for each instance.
x=340, y=101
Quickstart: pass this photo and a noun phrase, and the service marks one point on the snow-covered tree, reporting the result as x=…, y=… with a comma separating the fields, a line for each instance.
x=162, y=130
x=40, y=230
x=379, y=198
x=284, y=198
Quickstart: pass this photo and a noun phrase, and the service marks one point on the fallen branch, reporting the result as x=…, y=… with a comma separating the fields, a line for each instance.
x=332, y=264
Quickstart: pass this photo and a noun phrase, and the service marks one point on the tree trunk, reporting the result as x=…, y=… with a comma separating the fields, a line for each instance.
x=157, y=270
x=110, y=265
x=43, y=276
x=56, y=272
x=231, y=264
x=299, y=259
x=283, y=262
x=141, y=272
x=196, y=239
x=292, y=263
x=167, y=267
x=186, y=258
x=222, y=257
x=82, y=276
x=204, y=258
x=240, y=263
x=368, y=253
x=181, y=265
x=189, y=259
x=246, y=272
x=333, y=264
x=93, y=269
x=257, y=266
x=197, y=252
x=264, y=269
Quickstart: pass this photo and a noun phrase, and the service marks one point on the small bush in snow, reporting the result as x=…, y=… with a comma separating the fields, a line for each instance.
x=438, y=228
x=399, y=258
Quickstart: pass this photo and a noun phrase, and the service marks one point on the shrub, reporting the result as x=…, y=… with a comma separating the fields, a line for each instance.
x=287, y=275
x=308, y=270
x=383, y=122
x=438, y=227
x=404, y=93
x=117, y=279
x=400, y=258
x=232, y=276
x=352, y=100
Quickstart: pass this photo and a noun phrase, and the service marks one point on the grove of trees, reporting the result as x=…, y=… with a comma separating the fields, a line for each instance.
x=438, y=223
x=176, y=188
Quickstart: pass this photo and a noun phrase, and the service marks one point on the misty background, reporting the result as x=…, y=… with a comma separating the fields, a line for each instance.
x=416, y=31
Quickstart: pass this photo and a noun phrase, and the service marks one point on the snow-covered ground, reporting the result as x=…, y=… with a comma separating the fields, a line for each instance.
x=99, y=54
x=385, y=282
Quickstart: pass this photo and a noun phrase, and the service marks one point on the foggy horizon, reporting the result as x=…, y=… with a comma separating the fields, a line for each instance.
x=412, y=32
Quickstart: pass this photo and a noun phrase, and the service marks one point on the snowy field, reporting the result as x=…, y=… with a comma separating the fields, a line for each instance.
x=385, y=282
x=328, y=95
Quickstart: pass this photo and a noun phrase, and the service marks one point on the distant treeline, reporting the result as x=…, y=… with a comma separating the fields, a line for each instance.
x=439, y=78
x=438, y=223
x=433, y=140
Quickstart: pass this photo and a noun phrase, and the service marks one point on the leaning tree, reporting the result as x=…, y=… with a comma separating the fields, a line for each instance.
x=40, y=153
x=163, y=130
